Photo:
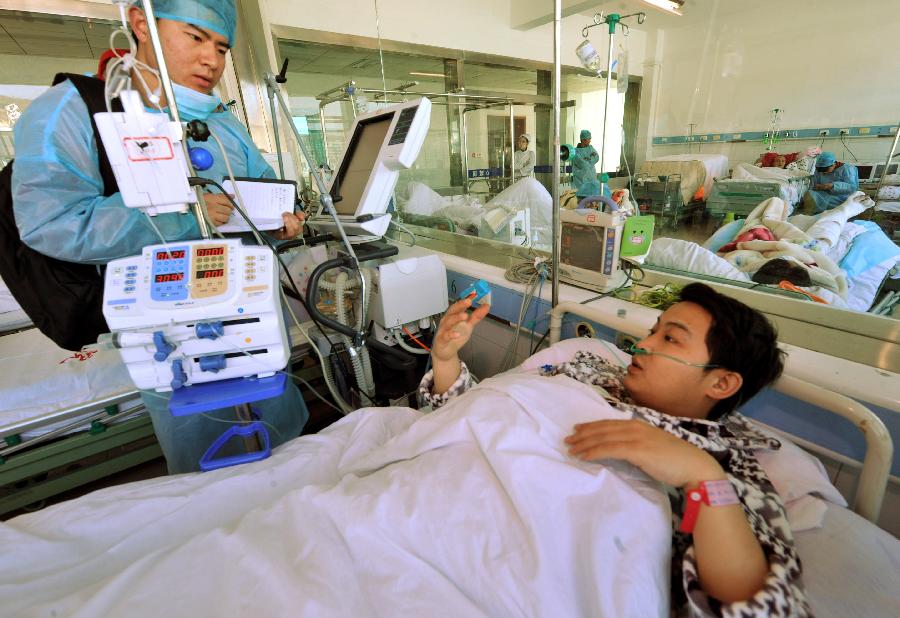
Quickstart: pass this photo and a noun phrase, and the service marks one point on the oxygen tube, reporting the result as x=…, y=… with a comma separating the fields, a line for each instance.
x=636, y=351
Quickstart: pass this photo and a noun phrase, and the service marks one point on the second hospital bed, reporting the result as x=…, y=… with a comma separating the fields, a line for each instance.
x=696, y=171
x=66, y=419
x=749, y=185
x=197, y=543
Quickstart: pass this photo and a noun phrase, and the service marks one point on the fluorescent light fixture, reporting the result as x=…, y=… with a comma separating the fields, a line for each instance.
x=426, y=74
x=669, y=6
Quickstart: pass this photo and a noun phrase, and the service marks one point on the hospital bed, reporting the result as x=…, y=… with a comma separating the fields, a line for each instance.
x=749, y=185
x=696, y=171
x=189, y=539
x=873, y=262
x=66, y=419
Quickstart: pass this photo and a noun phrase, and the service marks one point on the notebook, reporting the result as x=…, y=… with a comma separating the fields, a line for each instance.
x=264, y=200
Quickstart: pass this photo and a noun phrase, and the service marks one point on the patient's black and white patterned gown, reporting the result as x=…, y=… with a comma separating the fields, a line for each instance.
x=731, y=441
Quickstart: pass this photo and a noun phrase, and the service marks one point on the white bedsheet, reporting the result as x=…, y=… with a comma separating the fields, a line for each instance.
x=11, y=314
x=38, y=377
x=716, y=166
x=850, y=567
x=14, y=320
x=474, y=510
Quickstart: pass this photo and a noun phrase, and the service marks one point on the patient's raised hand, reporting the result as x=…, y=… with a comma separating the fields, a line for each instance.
x=455, y=329
x=453, y=332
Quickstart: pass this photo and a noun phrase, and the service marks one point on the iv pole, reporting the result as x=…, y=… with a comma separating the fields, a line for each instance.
x=612, y=20
x=198, y=208
x=275, y=94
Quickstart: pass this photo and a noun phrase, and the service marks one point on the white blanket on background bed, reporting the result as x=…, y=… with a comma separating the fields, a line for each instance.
x=473, y=510
x=38, y=377
x=716, y=166
x=789, y=192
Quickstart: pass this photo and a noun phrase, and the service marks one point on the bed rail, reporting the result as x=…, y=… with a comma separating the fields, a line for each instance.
x=879, y=446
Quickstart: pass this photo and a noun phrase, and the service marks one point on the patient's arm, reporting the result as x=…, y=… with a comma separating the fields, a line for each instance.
x=453, y=332
x=730, y=560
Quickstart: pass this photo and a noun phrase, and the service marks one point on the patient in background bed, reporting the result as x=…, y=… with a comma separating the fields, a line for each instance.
x=706, y=354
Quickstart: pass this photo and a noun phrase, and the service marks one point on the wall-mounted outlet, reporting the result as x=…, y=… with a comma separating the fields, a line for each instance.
x=845, y=132
x=583, y=329
x=823, y=132
x=624, y=342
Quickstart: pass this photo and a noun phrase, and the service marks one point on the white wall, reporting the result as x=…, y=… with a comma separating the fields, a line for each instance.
x=827, y=64
x=589, y=115
x=472, y=25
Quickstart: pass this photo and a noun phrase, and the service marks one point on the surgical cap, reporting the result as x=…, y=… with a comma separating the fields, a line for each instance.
x=585, y=134
x=826, y=159
x=216, y=15
x=526, y=137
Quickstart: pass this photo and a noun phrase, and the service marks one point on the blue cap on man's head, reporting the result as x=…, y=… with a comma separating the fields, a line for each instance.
x=585, y=134
x=219, y=16
x=826, y=159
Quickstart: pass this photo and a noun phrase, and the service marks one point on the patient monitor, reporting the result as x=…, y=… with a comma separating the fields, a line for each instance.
x=592, y=242
x=382, y=143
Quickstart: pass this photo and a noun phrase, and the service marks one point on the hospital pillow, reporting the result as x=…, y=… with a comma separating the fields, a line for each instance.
x=793, y=472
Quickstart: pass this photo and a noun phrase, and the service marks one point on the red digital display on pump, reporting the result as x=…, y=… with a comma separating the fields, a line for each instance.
x=209, y=274
x=211, y=251
x=170, y=255
x=167, y=277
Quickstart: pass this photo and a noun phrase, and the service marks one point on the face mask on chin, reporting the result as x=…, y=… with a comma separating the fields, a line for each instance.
x=193, y=105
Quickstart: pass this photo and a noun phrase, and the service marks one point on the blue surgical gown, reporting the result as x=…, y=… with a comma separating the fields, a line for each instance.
x=58, y=192
x=61, y=211
x=583, y=170
x=845, y=180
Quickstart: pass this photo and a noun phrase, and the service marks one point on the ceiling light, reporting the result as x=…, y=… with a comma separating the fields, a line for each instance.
x=669, y=6
x=426, y=74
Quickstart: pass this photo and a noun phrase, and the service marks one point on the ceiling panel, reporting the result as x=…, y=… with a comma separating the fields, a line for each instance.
x=60, y=51
x=32, y=24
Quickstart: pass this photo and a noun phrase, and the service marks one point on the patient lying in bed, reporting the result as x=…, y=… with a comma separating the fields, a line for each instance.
x=705, y=355
x=490, y=506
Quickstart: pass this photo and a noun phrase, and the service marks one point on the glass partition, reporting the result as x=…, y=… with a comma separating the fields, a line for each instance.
x=469, y=178
x=713, y=97
x=740, y=110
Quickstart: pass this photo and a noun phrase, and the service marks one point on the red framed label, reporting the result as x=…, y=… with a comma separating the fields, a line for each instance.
x=148, y=148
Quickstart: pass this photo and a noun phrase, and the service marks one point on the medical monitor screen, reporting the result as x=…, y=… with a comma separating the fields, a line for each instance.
x=582, y=246
x=356, y=167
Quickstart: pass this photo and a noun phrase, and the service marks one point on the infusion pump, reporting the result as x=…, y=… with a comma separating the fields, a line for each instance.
x=199, y=311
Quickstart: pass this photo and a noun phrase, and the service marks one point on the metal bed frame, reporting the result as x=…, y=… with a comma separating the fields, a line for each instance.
x=879, y=447
x=740, y=197
x=62, y=459
x=57, y=461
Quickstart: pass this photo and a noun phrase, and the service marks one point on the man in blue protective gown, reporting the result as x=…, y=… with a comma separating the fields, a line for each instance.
x=61, y=211
x=833, y=182
x=586, y=157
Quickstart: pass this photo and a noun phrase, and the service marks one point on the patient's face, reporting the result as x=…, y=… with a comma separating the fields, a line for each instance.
x=779, y=161
x=664, y=384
